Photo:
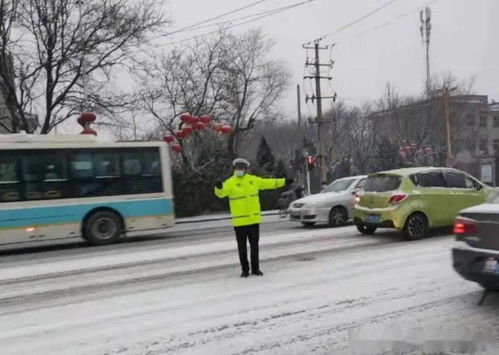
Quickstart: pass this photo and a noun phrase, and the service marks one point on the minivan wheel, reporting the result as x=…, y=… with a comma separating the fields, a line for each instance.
x=416, y=226
x=102, y=227
x=364, y=229
x=337, y=217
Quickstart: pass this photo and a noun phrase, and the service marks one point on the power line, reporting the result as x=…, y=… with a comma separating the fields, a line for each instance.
x=218, y=16
x=265, y=14
x=350, y=24
x=387, y=23
x=272, y=11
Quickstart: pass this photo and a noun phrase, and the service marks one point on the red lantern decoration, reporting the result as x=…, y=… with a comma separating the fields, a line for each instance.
x=407, y=148
x=205, y=119
x=226, y=129
x=186, y=118
x=217, y=127
x=168, y=138
x=179, y=134
x=85, y=120
x=194, y=120
x=186, y=131
x=428, y=151
x=177, y=148
x=199, y=126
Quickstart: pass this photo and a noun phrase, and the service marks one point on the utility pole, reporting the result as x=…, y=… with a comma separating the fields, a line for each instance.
x=446, y=103
x=321, y=159
x=447, y=121
x=425, y=28
x=300, y=135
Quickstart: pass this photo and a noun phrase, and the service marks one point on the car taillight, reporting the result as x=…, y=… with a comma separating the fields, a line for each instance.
x=356, y=197
x=463, y=226
x=397, y=198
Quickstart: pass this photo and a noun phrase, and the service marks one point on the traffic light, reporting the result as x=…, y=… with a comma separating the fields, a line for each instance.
x=310, y=163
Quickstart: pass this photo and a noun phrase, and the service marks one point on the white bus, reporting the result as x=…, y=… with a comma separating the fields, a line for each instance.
x=54, y=187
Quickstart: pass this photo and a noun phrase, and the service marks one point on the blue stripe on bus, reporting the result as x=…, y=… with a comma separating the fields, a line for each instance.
x=74, y=213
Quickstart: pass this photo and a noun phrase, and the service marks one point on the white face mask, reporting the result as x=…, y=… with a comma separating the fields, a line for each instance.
x=239, y=172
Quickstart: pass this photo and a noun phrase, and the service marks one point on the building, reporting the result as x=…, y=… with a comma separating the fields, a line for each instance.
x=472, y=122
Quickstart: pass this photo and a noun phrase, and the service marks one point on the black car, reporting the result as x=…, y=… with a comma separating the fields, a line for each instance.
x=476, y=254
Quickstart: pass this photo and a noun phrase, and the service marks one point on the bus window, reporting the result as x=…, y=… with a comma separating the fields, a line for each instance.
x=55, y=183
x=141, y=171
x=106, y=165
x=9, y=180
x=132, y=164
x=32, y=169
x=81, y=165
x=151, y=163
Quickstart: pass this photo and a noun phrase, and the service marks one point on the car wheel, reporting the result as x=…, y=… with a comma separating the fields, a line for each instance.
x=416, y=226
x=283, y=213
x=102, y=227
x=364, y=229
x=308, y=224
x=337, y=217
x=490, y=286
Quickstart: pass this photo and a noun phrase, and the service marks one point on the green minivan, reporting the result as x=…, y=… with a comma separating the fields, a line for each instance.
x=415, y=199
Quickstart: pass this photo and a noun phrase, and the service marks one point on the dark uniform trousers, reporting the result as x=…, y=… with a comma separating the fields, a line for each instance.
x=251, y=233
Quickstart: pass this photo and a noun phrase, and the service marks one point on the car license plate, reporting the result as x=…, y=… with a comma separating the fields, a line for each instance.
x=490, y=266
x=371, y=218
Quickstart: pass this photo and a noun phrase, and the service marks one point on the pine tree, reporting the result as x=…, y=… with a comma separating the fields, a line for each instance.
x=264, y=157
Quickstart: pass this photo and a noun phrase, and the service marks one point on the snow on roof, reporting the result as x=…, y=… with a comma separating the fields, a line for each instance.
x=49, y=139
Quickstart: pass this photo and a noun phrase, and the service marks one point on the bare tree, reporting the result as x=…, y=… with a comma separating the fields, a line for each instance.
x=253, y=83
x=420, y=119
x=225, y=76
x=55, y=44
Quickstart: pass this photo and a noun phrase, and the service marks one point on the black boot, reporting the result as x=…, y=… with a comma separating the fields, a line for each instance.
x=244, y=274
x=257, y=273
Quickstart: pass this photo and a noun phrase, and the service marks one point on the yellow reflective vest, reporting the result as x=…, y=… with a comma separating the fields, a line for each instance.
x=244, y=201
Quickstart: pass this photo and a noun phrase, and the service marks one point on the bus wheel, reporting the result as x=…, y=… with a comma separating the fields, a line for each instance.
x=102, y=227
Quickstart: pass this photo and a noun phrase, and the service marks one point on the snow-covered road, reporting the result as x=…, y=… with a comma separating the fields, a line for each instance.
x=182, y=294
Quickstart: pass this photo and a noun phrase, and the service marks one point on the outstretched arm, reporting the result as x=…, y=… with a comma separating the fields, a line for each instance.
x=270, y=184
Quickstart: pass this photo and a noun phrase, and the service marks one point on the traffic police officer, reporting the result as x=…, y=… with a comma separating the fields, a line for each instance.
x=242, y=190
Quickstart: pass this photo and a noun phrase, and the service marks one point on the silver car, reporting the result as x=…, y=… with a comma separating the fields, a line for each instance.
x=332, y=206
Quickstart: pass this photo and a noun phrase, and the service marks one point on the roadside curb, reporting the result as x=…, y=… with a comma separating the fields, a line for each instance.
x=217, y=218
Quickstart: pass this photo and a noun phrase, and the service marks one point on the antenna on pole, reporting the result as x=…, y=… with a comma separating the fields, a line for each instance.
x=425, y=29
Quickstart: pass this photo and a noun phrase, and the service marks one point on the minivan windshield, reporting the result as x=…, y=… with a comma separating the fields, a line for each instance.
x=382, y=183
x=339, y=185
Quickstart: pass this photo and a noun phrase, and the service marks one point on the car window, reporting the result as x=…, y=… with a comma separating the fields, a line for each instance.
x=382, y=183
x=470, y=183
x=338, y=185
x=360, y=184
x=429, y=179
x=455, y=180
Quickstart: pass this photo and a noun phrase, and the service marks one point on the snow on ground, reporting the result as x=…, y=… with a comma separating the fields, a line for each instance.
x=164, y=298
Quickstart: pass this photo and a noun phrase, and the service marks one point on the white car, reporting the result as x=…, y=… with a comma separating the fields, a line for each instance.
x=333, y=205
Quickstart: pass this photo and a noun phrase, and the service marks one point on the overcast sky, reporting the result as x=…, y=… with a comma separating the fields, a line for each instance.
x=464, y=42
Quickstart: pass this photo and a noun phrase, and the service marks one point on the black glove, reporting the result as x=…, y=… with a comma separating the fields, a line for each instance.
x=288, y=181
x=219, y=184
